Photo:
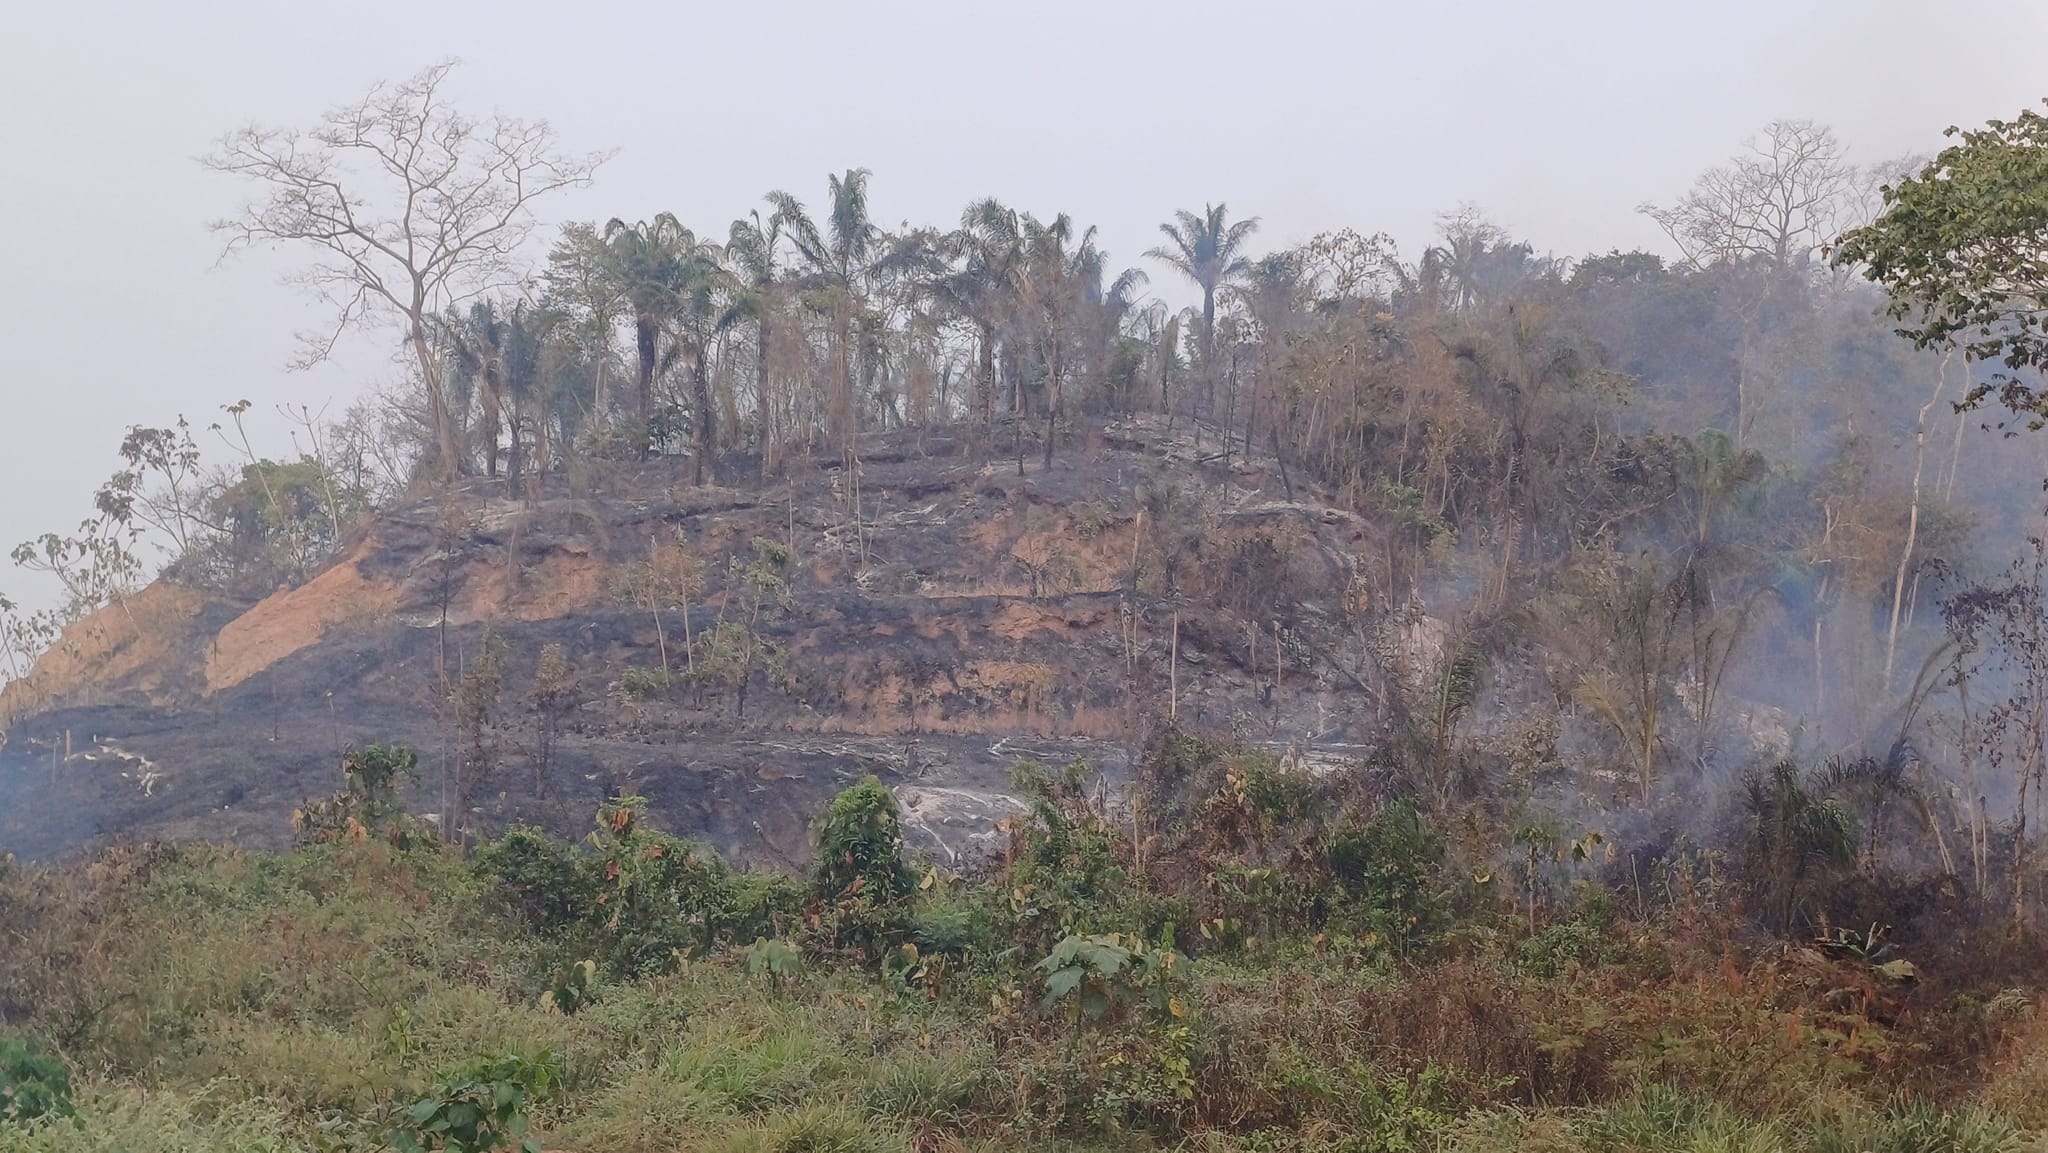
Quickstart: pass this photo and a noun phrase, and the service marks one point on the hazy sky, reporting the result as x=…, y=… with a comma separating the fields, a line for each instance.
x=1558, y=118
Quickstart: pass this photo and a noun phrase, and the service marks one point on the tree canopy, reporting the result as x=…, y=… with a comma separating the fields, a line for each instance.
x=1962, y=248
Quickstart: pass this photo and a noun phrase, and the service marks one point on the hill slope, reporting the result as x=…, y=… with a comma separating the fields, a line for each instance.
x=943, y=616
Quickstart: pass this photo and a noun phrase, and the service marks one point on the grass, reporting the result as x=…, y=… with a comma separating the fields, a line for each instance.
x=220, y=1000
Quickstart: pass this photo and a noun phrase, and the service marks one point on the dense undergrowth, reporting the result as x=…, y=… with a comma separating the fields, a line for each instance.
x=1244, y=958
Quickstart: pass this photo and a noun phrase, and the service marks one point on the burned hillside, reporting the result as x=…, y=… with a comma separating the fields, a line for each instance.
x=734, y=652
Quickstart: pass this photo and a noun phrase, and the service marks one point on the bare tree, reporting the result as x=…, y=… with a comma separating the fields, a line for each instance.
x=410, y=207
x=1782, y=200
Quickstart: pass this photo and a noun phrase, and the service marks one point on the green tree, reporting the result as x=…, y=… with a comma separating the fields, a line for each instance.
x=751, y=251
x=475, y=343
x=738, y=644
x=1059, y=278
x=34, y=1086
x=860, y=847
x=1960, y=248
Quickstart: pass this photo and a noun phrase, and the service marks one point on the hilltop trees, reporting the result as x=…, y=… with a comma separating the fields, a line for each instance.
x=407, y=205
x=836, y=264
x=982, y=290
x=1209, y=250
x=646, y=261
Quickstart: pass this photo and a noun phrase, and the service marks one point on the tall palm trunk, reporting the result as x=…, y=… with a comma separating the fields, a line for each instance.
x=841, y=400
x=644, y=333
x=761, y=415
x=1209, y=347
x=985, y=385
x=492, y=402
x=1052, y=399
x=707, y=420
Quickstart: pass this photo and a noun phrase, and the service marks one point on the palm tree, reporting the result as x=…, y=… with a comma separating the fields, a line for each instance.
x=899, y=331
x=750, y=251
x=1273, y=290
x=984, y=291
x=527, y=331
x=645, y=260
x=838, y=261
x=1208, y=250
x=584, y=301
x=702, y=289
x=1111, y=354
x=474, y=344
x=1055, y=286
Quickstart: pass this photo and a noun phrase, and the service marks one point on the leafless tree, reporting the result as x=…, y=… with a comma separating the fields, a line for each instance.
x=1781, y=199
x=409, y=206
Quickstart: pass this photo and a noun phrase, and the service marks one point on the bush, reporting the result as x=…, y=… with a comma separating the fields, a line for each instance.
x=637, y=897
x=860, y=847
x=861, y=883
x=368, y=804
x=639, y=682
x=1387, y=873
x=479, y=1110
x=1068, y=872
x=34, y=1086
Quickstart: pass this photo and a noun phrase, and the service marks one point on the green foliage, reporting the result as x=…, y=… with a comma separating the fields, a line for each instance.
x=861, y=883
x=633, y=898
x=1957, y=248
x=1387, y=871
x=1795, y=839
x=574, y=987
x=275, y=1001
x=1098, y=978
x=538, y=878
x=738, y=645
x=34, y=1086
x=281, y=518
x=479, y=1110
x=639, y=682
x=773, y=961
x=860, y=847
x=1069, y=863
x=368, y=804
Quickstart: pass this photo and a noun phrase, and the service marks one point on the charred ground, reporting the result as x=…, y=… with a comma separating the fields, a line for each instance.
x=942, y=615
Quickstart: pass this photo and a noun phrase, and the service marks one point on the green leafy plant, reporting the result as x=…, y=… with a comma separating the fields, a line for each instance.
x=368, y=804
x=773, y=961
x=639, y=682
x=1099, y=977
x=860, y=846
x=34, y=1086
x=574, y=986
x=479, y=1110
x=1386, y=871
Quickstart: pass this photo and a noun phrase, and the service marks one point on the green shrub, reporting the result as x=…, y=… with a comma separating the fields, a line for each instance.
x=574, y=987
x=368, y=804
x=634, y=898
x=538, y=878
x=1387, y=871
x=639, y=682
x=479, y=1110
x=860, y=847
x=861, y=880
x=1069, y=870
x=34, y=1086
